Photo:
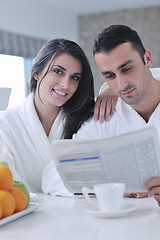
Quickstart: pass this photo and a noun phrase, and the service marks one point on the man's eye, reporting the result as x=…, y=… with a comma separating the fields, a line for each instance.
x=57, y=71
x=126, y=69
x=109, y=76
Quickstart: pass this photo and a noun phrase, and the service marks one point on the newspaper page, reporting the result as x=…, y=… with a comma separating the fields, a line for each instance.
x=132, y=158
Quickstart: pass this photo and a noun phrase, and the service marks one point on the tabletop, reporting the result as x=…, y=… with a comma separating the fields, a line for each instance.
x=63, y=218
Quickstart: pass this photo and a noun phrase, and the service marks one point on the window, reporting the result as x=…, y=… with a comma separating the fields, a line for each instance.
x=15, y=70
x=12, y=74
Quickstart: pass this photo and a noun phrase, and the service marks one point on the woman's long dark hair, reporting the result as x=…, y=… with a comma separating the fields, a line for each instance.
x=80, y=106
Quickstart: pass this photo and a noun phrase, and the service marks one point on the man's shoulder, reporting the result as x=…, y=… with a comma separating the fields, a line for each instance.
x=156, y=73
x=92, y=129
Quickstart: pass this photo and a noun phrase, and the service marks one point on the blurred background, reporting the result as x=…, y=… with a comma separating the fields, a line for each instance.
x=26, y=24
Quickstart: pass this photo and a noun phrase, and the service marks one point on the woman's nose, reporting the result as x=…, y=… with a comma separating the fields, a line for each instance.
x=65, y=82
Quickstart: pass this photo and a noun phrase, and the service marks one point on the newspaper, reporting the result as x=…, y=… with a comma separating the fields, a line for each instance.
x=132, y=158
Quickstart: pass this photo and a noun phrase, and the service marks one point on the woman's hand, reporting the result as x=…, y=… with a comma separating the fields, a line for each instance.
x=105, y=105
x=153, y=187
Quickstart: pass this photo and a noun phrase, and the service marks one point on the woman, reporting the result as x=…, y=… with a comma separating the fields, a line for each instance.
x=61, y=99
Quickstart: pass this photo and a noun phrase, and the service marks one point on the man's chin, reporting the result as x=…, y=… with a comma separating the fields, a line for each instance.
x=129, y=100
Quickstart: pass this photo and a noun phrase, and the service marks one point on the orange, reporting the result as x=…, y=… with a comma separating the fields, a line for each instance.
x=24, y=189
x=6, y=178
x=7, y=203
x=20, y=199
x=0, y=211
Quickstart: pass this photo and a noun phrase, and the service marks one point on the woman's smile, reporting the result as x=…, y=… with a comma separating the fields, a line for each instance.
x=58, y=92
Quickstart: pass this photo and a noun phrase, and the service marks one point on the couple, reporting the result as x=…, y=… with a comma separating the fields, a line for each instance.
x=62, y=98
x=125, y=64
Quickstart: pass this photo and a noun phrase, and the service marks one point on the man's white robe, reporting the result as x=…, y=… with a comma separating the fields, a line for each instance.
x=125, y=119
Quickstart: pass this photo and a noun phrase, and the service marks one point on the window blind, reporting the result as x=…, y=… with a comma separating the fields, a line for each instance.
x=19, y=45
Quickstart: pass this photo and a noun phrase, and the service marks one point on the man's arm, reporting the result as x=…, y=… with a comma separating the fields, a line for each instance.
x=153, y=187
x=105, y=104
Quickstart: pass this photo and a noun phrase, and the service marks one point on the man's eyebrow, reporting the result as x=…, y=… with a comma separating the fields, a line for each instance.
x=124, y=64
x=121, y=66
x=66, y=69
x=105, y=73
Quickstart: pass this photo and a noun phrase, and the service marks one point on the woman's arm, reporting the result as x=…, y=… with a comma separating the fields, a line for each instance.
x=52, y=182
x=6, y=156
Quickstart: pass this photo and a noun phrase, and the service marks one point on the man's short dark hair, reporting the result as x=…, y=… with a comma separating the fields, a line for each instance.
x=115, y=35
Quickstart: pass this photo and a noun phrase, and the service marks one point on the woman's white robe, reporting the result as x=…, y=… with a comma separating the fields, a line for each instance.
x=26, y=147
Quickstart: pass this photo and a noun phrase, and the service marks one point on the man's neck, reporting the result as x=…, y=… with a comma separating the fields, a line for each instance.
x=148, y=105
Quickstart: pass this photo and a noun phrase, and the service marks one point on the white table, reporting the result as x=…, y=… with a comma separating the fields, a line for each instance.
x=60, y=218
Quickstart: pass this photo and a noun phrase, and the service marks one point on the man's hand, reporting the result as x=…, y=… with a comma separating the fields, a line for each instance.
x=136, y=194
x=153, y=187
x=105, y=105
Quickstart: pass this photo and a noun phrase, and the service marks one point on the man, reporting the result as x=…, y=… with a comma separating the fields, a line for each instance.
x=125, y=65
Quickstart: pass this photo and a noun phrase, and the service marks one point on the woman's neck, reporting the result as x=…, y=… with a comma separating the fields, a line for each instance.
x=46, y=113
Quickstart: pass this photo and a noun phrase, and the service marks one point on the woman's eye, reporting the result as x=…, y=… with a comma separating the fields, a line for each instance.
x=76, y=78
x=57, y=71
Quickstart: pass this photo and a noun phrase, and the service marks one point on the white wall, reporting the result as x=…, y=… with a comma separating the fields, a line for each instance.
x=37, y=20
x=146, y=21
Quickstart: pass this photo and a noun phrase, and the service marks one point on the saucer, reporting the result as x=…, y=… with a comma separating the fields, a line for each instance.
x=124, y=211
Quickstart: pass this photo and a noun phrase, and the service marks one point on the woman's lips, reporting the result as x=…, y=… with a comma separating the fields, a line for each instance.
x=59, y=92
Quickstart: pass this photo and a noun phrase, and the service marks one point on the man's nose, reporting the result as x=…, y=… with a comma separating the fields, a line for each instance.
x=122, y=83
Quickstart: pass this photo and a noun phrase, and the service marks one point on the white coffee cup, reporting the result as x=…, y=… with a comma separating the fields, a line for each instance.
x=4, y=97
x=109, y=196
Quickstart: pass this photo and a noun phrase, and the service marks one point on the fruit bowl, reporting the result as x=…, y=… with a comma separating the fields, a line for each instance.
x=31, y=208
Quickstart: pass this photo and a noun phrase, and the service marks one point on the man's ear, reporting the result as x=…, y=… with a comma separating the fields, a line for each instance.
x=36, y=76
x=148, y=58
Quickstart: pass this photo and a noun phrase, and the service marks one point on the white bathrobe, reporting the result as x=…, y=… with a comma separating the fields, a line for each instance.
x=125, y=119
x=26, y=147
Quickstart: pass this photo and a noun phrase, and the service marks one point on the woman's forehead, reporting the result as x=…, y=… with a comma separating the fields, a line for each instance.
x=66, y=61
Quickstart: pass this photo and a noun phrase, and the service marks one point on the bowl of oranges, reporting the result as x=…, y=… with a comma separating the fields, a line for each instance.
x=14, y=195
